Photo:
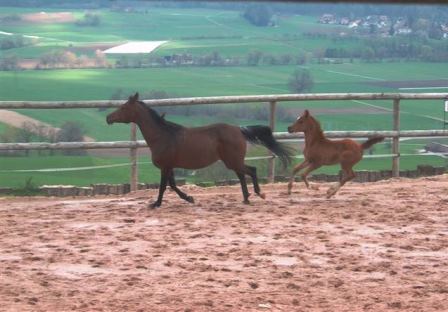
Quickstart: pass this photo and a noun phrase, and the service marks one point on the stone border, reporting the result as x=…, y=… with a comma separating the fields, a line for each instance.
x=362, y=176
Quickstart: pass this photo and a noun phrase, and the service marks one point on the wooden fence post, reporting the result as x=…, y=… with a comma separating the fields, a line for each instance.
x=396, y=140
x=271, y=166
x=133, y=158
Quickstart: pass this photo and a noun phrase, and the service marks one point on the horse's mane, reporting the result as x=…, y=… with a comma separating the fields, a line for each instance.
x=169, y=126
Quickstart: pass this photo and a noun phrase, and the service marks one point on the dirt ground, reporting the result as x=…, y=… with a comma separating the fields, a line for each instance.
x=374, y=247
x=44, y=17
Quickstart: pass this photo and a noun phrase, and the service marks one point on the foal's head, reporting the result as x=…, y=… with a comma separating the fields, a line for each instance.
x=126, y=113
x=304, y=123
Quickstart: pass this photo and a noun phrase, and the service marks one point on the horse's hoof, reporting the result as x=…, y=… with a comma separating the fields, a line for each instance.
x=190, y=199
x=154, y=205
x=246, y=202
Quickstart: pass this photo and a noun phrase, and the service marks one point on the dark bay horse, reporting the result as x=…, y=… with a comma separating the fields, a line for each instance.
x=320, y=151
x=174, y=146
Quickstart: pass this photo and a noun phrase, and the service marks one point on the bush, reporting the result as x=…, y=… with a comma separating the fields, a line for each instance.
x=301, y=81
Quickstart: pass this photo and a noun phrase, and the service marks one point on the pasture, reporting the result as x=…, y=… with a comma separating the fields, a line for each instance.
x=206, y=31
x=373, y=247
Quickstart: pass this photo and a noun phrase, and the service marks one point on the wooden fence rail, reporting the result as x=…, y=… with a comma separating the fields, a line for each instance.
x=272, y=100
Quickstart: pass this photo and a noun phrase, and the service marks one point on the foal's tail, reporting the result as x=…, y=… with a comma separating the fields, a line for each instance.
x=367, y=144
x=263, y=135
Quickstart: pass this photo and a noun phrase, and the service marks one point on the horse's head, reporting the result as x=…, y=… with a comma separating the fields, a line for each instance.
x=126, y=113
x=302, y=124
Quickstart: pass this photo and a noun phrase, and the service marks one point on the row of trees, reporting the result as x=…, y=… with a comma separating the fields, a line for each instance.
x=300, y=81
x=253, y=58
x=15, y=41
x=67, y=59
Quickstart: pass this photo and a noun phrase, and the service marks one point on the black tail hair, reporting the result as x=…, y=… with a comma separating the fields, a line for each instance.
x=262, y=135
x=367, y=144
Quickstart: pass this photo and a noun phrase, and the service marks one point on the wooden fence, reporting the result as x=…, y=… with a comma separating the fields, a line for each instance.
x=272, y=101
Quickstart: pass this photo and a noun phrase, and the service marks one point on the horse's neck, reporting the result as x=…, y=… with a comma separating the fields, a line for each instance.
x=314, y=135
x=152, y=133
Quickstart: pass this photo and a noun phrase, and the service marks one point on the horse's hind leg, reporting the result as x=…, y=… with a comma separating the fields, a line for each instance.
x=242, y=178
x=181, y=194
x=252, y=172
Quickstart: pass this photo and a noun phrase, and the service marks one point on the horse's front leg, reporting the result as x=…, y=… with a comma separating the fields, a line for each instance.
x=296, y=169
x=163, y=181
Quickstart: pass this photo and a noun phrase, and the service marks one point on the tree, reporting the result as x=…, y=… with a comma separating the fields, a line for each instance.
x=301, y=81
x=258, y=15
x=254, y=58
x=89, y=19
x=71, y=132
x=368, y=54
x=9, y=63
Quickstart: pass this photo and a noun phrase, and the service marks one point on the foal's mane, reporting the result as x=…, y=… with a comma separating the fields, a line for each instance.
x=169, y=126
x=317, y=129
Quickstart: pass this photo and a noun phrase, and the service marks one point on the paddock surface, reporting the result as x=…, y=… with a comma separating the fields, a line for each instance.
x=374, y=247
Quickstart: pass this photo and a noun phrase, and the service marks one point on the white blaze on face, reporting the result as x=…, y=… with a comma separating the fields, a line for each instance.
x=298, y=118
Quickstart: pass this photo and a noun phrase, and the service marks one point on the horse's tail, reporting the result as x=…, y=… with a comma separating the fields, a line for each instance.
x=367, y=144
x=263, y=135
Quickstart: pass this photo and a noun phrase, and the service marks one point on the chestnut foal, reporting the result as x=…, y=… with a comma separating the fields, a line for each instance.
x=319, y=151
x=174, y=146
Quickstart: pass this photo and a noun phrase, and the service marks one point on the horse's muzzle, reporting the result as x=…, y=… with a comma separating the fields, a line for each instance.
x=290, y=130
x=109, y=120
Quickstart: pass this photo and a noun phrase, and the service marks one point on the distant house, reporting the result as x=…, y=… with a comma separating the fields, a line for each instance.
x=354, y=24
x=344, y=21
x=403, y=31
x=327, y=19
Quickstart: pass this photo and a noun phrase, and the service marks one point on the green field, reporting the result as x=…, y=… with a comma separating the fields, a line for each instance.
x=204, y=31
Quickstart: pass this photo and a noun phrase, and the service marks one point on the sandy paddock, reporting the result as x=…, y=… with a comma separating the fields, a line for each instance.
x=374, y=247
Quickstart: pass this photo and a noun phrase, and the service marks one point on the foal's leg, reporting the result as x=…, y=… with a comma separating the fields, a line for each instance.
x=181, y=194
x=163, y=180
x=296, y=169
x=311, y=167
x=348, y=174
x=252, y=172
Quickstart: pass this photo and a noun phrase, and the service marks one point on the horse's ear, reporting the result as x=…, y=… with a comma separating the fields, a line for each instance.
x=133, y=98
x=306, y=113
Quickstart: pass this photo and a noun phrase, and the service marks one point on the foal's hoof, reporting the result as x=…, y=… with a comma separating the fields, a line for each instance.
x=314, y=187
x=154, y=205
x=190, y=199
x=289, y=188
x=331, y=191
